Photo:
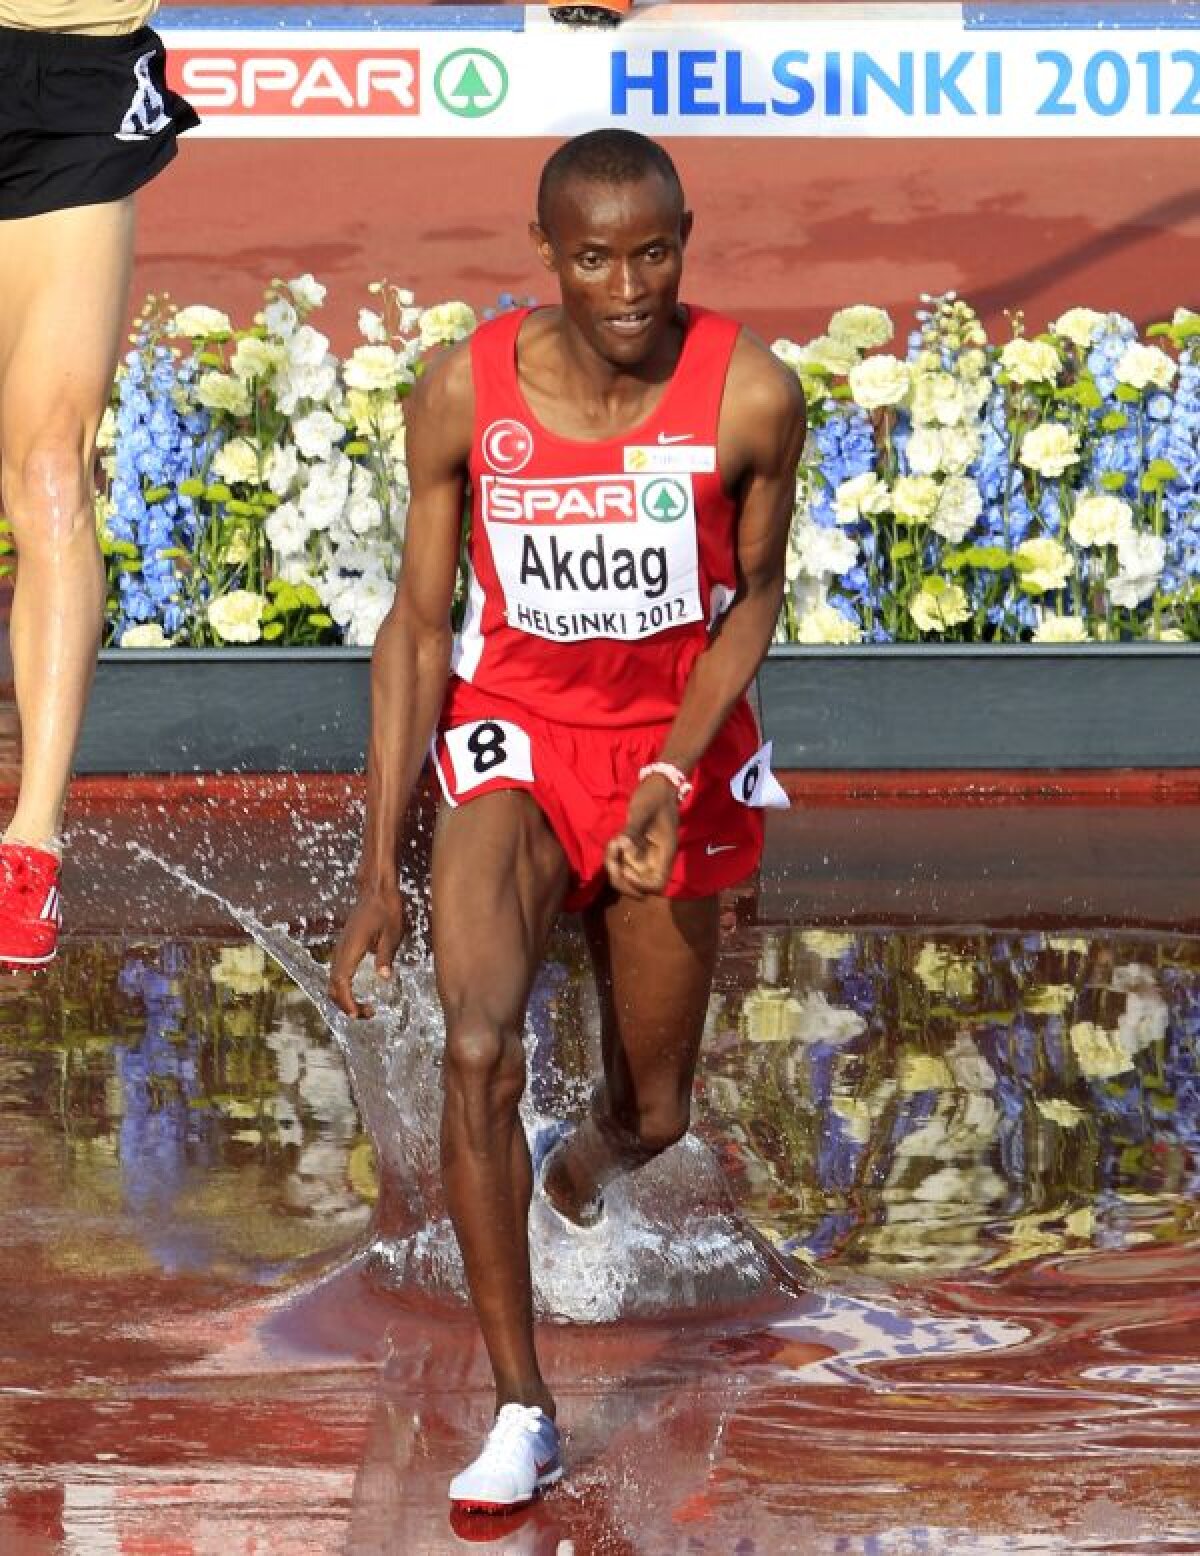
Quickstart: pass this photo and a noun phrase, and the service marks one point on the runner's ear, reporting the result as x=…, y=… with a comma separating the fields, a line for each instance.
x=540, y=239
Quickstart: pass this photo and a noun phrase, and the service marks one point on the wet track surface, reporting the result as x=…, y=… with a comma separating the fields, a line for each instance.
x=973, y=1144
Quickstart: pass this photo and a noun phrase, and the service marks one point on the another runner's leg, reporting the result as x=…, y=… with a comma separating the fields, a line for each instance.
x=654, y=963
x=499, y=877
x=64, y=278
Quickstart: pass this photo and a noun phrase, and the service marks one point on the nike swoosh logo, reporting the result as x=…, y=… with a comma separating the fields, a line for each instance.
x=719, y=848
x=676, y=437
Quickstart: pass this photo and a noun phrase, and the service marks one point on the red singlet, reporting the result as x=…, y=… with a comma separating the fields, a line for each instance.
x=596, y=568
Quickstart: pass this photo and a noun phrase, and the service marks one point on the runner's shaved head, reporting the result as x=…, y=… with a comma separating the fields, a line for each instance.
x=605, y=157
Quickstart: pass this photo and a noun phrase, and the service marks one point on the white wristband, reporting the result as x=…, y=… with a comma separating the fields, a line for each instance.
x=671, y=773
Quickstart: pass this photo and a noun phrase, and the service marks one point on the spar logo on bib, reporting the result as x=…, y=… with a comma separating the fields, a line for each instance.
x=588, y=556
x=507, y=446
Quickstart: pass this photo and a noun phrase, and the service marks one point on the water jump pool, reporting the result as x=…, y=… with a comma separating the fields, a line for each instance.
x=923, y=1279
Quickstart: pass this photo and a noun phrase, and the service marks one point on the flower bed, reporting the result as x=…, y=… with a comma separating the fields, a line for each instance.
x=1046, y=489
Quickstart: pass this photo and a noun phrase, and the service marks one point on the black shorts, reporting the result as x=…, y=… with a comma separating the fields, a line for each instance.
x=83, y=120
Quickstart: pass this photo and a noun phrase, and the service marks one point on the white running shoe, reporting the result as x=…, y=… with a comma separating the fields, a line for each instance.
x=521, y=1457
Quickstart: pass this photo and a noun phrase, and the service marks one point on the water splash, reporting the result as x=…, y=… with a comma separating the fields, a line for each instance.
x=668, y=1241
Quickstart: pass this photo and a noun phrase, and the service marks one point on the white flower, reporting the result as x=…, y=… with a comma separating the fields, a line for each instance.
x=281, y=318
x=1143, y=366
x=861, y=495
x=223, y=392
x=255, y=358
x=1079, y=325
x=1143, y=1022
x=879, y=381
x=814, y=1020
x=1140, y=558
x=362, y=515
x=200, y=322
x=307, y=291
x=1049, y=449
x=374, y=367
x=915, y=497
x=937, y=398
x=317, y=434
x=924, y=451
x=325, y=493
x=1030, y=361
x=445, y=323
x=960, y=447
x=1100, y=519
x=819, y=551
x=371, y=327
x=1061, y=629
x=938, y=604
x=298, y=381
x=825, y=624
x=146, y=634
x=835, y=356
x=283, y=463
x=236, y=460
x=959, y=505
x=236, y=617
x=1167, y=634
x=358, y=605
x=862, y=326
x=106, y=432
x=1043, y=564
x=307, y=347
x=286, y=530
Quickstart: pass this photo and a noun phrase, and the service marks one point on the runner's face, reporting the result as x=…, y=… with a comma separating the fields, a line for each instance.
x=617, y=250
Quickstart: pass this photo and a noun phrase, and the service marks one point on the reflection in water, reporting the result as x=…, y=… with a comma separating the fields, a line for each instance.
x=978, y=1150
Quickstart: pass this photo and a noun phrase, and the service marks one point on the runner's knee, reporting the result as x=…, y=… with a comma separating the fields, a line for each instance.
x=47, y=495
x=660, y=1127
x=484, y=1062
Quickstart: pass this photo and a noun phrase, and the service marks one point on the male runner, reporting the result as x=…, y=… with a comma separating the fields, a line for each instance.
x=85, y=119
x=631, y=470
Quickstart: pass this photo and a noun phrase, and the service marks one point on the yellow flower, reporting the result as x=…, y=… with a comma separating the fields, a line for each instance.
x=1079, y=325
x=835, y=356
x=223, y=392
x=255, y=358
x=445, y=323
x=1100, y=519
x=945, y=972
x=938, y=605
x=828, y=944
x=1048, y=999
x=1061, y=1112
x=1043, y=564
x=1099, y=1051
x=862, y=326
x=825, y=624
x=1030, y=361
x=1145, y=367
x=924, y=1072
x=1049, y=449
x=879, y=381
x=236, y=617
x=147, y=634
x=1061, y=629
x=242, y=969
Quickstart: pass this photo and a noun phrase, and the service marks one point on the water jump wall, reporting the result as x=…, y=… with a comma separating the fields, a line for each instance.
x=1027, y=155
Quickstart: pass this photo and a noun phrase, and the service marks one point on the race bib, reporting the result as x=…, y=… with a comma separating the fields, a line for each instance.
x=489, y=748
x=757, y=786
x=610, y=556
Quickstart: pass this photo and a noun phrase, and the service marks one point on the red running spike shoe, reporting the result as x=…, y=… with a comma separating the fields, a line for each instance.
x=30, y=913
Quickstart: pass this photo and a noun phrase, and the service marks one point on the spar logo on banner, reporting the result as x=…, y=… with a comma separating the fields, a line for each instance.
x=286, y=81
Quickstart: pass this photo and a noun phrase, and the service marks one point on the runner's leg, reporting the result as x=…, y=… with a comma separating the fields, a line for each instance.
x=64, y=280
x=654, y=963
x=499, y=877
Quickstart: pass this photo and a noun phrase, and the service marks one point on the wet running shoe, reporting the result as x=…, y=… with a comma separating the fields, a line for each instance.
x=30, y=913
x=521, y=1457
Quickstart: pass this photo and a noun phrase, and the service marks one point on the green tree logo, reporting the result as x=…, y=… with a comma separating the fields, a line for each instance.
x=664, y=501
x=471, y=83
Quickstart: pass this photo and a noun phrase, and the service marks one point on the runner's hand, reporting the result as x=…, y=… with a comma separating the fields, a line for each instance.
x=376, y=925
x=640, y=857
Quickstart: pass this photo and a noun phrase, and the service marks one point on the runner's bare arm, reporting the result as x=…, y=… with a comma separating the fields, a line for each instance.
x=411, y=659
x=761, y=438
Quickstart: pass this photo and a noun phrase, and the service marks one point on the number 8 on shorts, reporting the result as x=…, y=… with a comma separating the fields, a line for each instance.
x=487, y=749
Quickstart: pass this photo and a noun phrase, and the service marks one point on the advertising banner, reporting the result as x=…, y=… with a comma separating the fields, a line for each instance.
x=924, y=70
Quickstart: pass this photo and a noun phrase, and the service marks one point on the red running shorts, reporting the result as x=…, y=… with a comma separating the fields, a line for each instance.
x=582, y=779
